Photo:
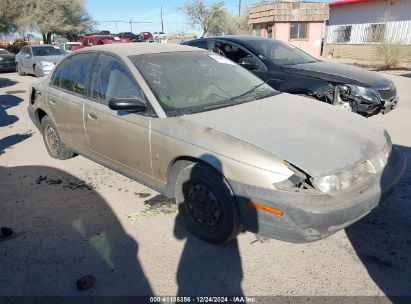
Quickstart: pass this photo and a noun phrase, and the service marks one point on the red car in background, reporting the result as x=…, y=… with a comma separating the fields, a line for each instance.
x=99, y=40
x=147, y=36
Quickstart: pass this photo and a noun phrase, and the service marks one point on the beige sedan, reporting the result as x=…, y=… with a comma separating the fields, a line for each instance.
x=234, y=153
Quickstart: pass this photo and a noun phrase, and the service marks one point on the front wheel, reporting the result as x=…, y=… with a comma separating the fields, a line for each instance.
x=19, y=71
x=54, y=144
x=207, y=204
x=36, y=72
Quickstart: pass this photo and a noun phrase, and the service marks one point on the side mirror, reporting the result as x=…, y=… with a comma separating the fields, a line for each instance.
x=249, y=63
x=127, y=104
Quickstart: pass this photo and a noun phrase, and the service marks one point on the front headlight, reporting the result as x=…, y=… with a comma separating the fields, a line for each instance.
x=343, y=179
x=367, y=93
x=46, y=63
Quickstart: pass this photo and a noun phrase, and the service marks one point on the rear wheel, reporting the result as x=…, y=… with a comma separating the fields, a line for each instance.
x=207, y=204
x=54, y=144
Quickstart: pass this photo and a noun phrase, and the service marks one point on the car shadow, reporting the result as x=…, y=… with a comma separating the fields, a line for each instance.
x=382, y=240
x=63, y=230
x=6, y=82
x=7, y=102
x=210, y=269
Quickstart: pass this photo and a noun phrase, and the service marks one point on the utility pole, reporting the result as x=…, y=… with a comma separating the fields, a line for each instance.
x=131, y=25
x=161, y=14
x=239, y=8
x=116, y=27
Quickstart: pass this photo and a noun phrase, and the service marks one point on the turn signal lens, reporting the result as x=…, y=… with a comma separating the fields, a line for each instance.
x=265, y=209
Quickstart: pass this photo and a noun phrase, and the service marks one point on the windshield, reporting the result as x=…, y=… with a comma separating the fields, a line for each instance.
x=279, y=53
x=190, y=82
x=47, y=51
x=4, y=52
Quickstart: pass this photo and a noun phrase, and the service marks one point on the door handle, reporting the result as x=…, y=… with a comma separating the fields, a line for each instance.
x=53, y=102
x=91, y=115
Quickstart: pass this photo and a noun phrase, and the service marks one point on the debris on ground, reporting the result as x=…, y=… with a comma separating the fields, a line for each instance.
x=261, y=239
x=66, y=184
x=85, y=282
x=142, y=195
x=159, y=204
x=159, y=201
x=6, y=232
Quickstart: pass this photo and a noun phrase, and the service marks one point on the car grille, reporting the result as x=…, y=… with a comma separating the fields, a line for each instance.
x=388, y=94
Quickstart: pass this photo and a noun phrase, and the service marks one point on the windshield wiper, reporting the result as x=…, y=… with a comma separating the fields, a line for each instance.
x=253, y=89
x=250, y=91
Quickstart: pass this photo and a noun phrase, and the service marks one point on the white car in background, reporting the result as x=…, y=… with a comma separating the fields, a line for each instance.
x=68, y=46
x=159, y=35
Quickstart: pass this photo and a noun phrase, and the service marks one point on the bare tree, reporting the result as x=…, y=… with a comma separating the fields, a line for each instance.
x=236, y=25
x=64, y=17
x=209, y=18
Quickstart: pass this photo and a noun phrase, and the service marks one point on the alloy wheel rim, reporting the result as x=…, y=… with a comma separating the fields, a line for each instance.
x=204, y=205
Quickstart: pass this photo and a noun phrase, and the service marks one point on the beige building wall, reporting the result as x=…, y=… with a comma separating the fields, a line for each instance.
x=281, y=31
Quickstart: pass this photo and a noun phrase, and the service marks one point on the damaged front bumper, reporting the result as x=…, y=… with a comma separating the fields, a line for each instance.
x=308, y=217
x=383, y=100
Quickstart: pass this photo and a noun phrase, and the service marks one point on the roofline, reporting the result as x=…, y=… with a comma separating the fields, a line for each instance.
x=348, y=2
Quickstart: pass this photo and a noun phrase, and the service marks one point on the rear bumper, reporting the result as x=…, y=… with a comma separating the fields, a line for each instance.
x=310, y=217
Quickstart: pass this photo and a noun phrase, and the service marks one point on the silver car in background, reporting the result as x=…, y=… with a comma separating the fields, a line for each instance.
x=38, y=60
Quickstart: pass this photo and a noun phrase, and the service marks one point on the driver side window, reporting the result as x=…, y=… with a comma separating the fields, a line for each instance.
x=231, y=51
x=111, y=79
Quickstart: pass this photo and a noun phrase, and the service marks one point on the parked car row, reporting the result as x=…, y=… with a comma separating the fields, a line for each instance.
x=38, y=60
x=234, y=152
x=7, y=61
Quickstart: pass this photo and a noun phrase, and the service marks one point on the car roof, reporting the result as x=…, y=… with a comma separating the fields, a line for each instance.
x=238, y=38
x=41, y=45
x=129, y=49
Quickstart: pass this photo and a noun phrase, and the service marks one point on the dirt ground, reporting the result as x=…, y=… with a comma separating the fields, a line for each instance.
x=74, y=218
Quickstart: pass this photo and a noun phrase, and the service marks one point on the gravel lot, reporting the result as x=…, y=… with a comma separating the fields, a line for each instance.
x=73, y=218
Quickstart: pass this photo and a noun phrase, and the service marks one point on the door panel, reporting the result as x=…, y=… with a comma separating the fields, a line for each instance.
x=66, y=98
x=119, y=137
x=68, y=113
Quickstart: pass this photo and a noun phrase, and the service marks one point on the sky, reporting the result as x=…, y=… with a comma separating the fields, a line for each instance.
x=149, y=11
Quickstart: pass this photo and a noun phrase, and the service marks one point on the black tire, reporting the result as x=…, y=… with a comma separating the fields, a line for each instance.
x=206, y=204
x=54, y=144
x=19, y=71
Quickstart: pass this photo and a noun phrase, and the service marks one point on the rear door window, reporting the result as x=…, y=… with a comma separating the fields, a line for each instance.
x=72, y=76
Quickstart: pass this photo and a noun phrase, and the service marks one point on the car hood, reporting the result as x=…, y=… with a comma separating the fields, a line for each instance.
x=313, y=136
x=8, y=57
x=340, y=73
x=55, y=59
